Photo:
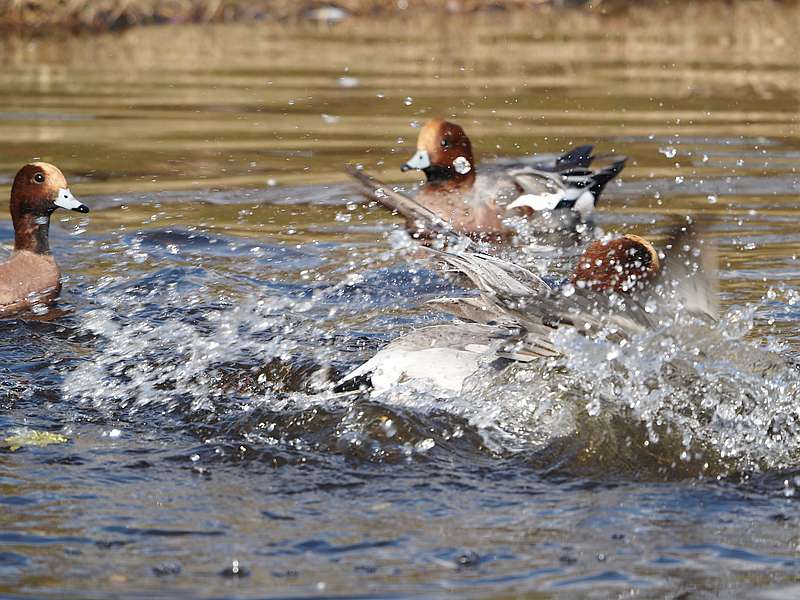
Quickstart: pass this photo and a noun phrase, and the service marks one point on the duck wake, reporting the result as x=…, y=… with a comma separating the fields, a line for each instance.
x=684, y=400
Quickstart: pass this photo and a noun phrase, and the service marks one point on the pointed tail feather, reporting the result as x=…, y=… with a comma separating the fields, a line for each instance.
x=577, y=158
x=599, y=179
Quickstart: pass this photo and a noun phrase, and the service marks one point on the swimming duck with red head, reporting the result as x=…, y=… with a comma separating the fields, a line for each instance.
x=31, y=276
x=477, y=202
x=444, y=154
x=517, y=311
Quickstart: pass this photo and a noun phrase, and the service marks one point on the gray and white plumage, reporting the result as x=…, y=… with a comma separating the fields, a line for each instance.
x=576, y=190
x=444, y=354
x=517, y=312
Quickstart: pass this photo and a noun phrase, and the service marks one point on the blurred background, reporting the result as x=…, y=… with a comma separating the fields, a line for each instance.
x=228, y=269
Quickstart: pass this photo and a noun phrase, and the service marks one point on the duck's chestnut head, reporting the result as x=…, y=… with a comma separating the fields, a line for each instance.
x=620, y=265
x=40, y=188
x=444, y=152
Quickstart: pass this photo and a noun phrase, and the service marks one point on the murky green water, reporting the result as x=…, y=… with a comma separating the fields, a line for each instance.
x=227, y=257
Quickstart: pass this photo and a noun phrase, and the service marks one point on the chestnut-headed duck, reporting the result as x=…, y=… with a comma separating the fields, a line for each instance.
x=31, y=276
x=621, y=265
x=516, y=313
x=478, y=203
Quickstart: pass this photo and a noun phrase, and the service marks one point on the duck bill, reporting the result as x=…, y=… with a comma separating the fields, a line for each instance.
x=66, y=200
x=420, y=161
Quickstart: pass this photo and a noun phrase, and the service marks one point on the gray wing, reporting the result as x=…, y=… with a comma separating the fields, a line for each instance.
x=424, y=218
x=512, y=295
x=492, y=275
x=524, y=344
x=587, y=311
x=690, y=273
x=474, y=310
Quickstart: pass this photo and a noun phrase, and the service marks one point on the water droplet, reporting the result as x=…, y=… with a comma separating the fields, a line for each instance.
x=39, y=309
x=330, y=119
x=389, y=428
x=567, y=290
x=348, y=82
x=712, y=199
x=408, y=101
x=462, y=165
x=235, y=570
x=424, y=445
x=669, y=151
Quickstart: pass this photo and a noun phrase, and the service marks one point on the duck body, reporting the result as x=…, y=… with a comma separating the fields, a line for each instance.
x=446, y=354
x=26, y=279
x=31, y=276
x=472, y=209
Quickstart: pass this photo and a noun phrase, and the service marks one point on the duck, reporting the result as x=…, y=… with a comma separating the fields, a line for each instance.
x=479, y=203
x=516, y=313
x=31, y=276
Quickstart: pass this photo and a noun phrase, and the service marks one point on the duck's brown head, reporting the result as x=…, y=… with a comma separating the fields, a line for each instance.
x=620, y=265
x=444, y=153
x=39, y=189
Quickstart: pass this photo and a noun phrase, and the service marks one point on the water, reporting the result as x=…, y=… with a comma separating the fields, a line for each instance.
x=228, y=270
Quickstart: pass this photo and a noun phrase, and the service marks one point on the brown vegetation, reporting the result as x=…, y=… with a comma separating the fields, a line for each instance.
x=32, y=16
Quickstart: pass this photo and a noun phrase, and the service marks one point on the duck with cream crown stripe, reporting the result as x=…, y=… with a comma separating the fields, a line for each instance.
x=31, y=276
x=477, y=203
x=517, y=312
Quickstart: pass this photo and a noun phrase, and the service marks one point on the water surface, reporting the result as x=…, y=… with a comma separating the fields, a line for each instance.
x=228, y=270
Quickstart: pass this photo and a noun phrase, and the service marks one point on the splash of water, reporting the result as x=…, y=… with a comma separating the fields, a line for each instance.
x=686, y=397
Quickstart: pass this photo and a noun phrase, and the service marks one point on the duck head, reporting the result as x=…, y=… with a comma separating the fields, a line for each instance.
x=622, y=265
x=39, y=189
x=444, y=154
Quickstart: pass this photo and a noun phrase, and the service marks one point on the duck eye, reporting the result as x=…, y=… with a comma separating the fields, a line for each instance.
x=39, y=178
x=445, y=143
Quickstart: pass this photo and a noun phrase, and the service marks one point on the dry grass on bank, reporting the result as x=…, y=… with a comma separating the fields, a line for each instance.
x=44, y=16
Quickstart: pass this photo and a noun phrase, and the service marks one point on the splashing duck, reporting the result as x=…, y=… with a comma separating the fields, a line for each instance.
x=517, y=311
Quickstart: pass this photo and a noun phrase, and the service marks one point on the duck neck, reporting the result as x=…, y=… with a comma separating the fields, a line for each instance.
x=32, y=233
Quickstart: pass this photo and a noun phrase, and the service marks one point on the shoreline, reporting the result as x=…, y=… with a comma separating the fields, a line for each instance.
x=43, y=17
